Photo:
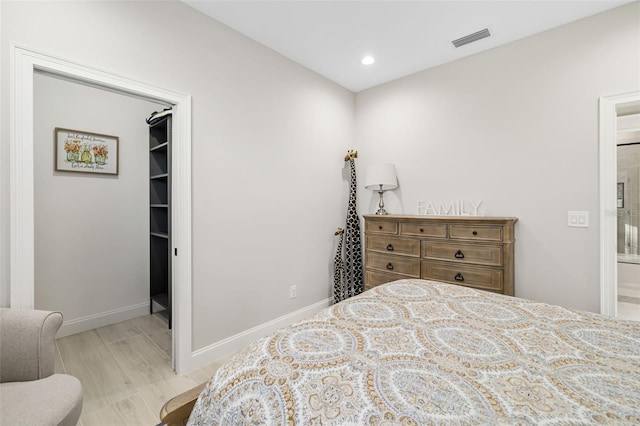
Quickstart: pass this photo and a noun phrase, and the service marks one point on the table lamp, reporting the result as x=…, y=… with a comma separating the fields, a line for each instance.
x=381, y=177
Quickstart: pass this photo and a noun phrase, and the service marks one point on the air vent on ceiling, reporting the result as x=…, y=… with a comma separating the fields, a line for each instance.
x=471, y=38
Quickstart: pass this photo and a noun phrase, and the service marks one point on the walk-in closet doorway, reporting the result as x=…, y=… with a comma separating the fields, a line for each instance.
x=25, y=63
x=98, y=223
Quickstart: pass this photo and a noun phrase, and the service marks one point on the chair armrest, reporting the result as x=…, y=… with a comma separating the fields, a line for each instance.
x=177, y=410
x=28, y=347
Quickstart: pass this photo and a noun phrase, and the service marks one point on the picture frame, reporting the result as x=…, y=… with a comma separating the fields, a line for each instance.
x=86, y=152
x=620, y=195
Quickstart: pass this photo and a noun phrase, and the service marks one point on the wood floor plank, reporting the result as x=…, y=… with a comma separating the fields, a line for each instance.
x=118, y=331
x=155, y=327
x=150, y=324
x=202, y=374
x=143, y=361
x=126, y=371
x=628, y=311
x=206, y=372
x=157, y=394
x=59, y=369
x=129, y=411
x=162, y=338
x=87, y=357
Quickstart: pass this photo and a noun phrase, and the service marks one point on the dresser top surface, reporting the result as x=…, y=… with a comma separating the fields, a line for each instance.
x=459, y=219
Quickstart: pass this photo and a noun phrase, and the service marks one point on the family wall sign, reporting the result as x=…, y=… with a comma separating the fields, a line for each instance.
x=450, y=208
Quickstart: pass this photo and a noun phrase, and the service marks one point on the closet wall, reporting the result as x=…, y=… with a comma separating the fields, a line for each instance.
x=91, y=231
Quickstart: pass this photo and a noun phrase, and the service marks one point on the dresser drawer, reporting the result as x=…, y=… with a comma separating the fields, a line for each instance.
x=433, y=230
x=473, y=251
x=470, y=276
x=463, y=253
x=373, y=279
x=394, y=264
x=393, y=245
x=475, y=232
x=381, y=227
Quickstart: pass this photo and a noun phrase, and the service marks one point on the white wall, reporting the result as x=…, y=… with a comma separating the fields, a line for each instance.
x=268, y=142
x=91, y=231
x=516, y=127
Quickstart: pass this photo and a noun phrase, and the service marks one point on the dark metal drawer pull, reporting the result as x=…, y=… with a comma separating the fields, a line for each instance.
x=475, y=232
x=459, y=254
x=458, y=277
x=421, y=229
x=379, y=226
x=390, y=247
x=390, y=266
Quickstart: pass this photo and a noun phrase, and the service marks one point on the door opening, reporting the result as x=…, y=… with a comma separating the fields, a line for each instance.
x=24, y=63
x=609, y=108
x=628, y=217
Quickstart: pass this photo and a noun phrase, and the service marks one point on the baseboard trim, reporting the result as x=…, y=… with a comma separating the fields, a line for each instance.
x=231, y=344
x=90, y=322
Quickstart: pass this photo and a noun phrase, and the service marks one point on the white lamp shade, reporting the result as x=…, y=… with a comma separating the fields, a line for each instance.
x=381, y=174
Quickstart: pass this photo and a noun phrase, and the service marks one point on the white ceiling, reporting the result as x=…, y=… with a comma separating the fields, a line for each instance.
x=330, y=37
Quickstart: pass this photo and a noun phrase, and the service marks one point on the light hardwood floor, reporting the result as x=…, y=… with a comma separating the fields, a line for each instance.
x=629, y=308
x=125, y=371
x=628, y=296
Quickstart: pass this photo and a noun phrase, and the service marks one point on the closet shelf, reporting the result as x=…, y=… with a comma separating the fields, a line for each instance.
x=160, y=217
x=158, y=147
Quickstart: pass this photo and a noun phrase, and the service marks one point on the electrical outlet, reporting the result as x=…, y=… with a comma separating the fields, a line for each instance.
x=293, y=292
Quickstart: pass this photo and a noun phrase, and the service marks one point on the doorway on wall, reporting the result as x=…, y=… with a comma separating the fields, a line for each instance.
x=628, y=212
x=99, y=273
x=611, y=194
x=24, y=64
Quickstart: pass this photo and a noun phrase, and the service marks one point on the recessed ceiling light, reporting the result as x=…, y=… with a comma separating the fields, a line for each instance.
x=368, y=60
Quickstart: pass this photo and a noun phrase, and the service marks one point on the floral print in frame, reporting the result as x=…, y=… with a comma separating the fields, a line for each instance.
x=80, y=151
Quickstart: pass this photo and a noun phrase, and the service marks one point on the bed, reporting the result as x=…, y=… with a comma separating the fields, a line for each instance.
x=416, y=352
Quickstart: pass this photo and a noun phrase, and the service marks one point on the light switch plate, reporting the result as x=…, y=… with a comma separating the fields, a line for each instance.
x=579, y=219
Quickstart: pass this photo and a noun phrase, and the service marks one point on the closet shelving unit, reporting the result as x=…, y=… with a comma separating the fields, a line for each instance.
x=160, y=215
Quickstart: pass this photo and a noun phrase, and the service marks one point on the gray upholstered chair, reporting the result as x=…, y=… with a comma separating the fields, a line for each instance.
x=30, y=392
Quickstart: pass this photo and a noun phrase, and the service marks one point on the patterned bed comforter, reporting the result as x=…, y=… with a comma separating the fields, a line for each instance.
x=416, y=352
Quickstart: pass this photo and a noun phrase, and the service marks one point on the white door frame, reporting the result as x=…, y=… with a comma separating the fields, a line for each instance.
x=608, y=209
x=24, y=63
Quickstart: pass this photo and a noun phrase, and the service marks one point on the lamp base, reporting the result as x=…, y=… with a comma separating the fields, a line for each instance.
x=381, y=209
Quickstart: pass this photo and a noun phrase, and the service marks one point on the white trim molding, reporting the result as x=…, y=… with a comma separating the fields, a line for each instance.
x=24, y=63
x=90, y=322
x=608, y=210
x=231, y=344
x=21, y=214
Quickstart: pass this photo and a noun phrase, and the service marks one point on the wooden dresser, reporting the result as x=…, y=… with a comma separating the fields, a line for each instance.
x=473, y=251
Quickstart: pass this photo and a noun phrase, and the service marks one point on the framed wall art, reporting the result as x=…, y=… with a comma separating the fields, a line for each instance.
x=79, y=151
